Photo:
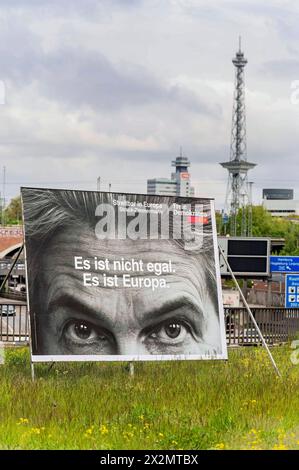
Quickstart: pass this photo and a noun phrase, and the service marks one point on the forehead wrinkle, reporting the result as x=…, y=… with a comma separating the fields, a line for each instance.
x=114, y=248
x=187, y=268
x=147, y=251
x=179, y=260
x=124, y=311
x=95, y=303
x=58, y=285
x=96, y=299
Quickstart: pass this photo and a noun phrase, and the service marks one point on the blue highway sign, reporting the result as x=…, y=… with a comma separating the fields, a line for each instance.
x=225, y=218
x=284, y=264
x=292, y=291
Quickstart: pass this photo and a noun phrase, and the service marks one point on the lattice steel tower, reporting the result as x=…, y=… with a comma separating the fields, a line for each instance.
x=238, y=194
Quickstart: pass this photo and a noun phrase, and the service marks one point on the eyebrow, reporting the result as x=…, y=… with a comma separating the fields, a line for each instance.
x=76, y=304
x=169, y=307
x=172, y=305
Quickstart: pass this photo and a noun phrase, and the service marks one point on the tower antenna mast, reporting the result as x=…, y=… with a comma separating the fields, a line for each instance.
x=238, y=194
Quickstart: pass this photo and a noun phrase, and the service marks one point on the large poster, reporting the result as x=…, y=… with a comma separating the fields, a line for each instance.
x=122, y=276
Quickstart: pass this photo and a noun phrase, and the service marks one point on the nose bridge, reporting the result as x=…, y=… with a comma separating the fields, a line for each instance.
x=125, y=305
x=128, y=344
x=127, y=327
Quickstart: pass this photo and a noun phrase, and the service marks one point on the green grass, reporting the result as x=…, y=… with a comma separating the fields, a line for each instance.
x=175, y=405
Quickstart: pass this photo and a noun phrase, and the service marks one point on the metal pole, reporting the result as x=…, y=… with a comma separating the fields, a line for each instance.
x=32, y=370
x=11, y=268
x=3, y=196
x=250, y=210
x=250, y=313
x=30, y=347
x=243, y=229
x=51, y=366
x=131, y=369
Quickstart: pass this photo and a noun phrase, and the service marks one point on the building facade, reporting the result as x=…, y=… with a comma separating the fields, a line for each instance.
x=280, y=202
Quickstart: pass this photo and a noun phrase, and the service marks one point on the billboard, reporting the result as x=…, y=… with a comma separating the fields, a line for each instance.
x=247, y=256
x=122, y=276
x=278, y=194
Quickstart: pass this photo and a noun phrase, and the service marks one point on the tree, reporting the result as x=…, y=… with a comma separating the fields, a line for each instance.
x=13, y=212
x=265, y=225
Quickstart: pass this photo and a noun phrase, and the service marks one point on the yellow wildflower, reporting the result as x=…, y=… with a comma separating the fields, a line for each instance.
x=23, y=421
x=103, y=429
x=220, y=446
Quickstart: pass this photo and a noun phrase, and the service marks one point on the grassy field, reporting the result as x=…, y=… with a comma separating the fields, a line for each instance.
x=240, y=404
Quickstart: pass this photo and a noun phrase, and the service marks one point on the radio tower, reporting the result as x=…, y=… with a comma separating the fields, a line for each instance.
x=237, y=193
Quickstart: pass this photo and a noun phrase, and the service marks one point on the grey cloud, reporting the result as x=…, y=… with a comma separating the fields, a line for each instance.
x=281, y=69
x=228, y=10
x=133, y=101
x=69, y=6
x=88, y=78
x=78, y=78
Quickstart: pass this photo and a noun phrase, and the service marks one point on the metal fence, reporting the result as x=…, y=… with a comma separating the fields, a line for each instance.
x=14, y=324
x=278, y=325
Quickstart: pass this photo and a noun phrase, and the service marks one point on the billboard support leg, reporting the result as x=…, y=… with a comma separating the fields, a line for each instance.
x=51, y=366
x=30, y=347
x=250, y=312
x=32, y=370
x=131, y=369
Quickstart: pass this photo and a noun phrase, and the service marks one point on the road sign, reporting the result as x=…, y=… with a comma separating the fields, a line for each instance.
x=292, y=291
x=284, y=264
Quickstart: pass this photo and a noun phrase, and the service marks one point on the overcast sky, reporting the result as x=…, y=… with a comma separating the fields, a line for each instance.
x=113, y=88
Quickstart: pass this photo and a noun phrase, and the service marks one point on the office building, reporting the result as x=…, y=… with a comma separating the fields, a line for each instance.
x=280, y=202
x=179, y=184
